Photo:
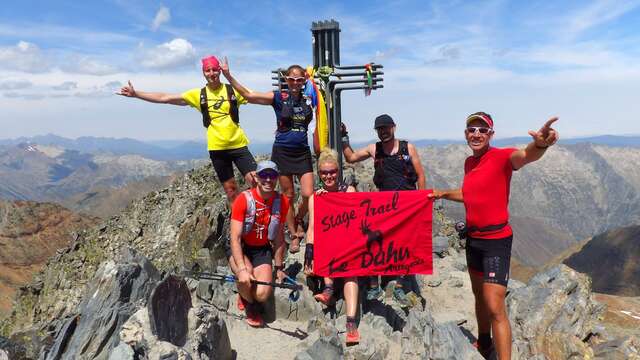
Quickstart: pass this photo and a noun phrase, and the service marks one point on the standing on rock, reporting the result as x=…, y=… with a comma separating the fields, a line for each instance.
x=397, y=167
x=328, y=172
x=218, y=103
x=256, y=233
x=485, y=194
x=291, y=152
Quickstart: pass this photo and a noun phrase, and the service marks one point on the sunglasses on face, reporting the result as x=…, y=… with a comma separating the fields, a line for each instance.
x=478, y=129
x=298, y=80
x=268, y=175
x=328, y=172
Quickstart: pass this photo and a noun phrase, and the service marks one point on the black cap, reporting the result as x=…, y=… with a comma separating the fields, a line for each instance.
x=383, y=120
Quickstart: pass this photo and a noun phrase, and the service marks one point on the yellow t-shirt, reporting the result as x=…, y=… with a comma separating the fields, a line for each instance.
x=223, y=133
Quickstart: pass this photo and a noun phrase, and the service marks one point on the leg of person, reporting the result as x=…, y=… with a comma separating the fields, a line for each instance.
x=246, y=163
x=261, y=259
x=245, y=291
x=475, y=265
x=482, y=314
x=496, y=265
x=351, y=299
x=306, y=190
x=494, y=295
x=286, y=185
x=223, y=166
x=326, y=296
x=374, y=292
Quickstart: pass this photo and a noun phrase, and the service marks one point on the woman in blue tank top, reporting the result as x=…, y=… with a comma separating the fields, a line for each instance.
x=291, y=152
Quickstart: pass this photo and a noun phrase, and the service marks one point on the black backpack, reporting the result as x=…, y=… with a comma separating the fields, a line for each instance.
x=233, y=106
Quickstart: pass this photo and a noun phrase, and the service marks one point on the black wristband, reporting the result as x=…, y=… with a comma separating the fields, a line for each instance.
x=308, y=255
x=541, y=147
x=278, y=267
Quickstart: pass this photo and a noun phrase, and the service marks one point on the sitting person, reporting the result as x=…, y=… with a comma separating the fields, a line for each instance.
x=257, y=223
x=328, y=171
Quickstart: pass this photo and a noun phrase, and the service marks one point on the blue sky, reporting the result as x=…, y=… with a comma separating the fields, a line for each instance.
x=60, y=63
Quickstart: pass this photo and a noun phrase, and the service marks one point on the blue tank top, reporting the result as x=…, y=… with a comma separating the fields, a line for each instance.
x=293, y=116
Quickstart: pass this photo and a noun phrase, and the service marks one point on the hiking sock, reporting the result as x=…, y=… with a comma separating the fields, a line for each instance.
x=328, y=289
x=351, y=320
x=484, y=341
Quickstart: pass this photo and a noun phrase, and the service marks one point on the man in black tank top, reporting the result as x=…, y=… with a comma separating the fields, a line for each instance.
x=397, y=167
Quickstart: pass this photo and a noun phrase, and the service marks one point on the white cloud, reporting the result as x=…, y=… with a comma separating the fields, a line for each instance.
x=176, y=53
x=599, y=12
x=86, y=65
x=15, y=95
x=24, y=56
x=105, y=90
x=67, y=85
x=17, y=84
x=162, y=16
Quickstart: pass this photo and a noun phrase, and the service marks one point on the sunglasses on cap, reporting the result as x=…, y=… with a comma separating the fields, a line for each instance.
x=478, y=129
x=268, y=175
x=328, y=172
x=298, y=80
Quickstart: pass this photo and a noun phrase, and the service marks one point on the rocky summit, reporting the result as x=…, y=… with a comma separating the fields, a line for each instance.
x=118, y=291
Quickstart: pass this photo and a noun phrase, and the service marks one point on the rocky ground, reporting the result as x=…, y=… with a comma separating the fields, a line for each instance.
x=30, y=233
x=110, y=295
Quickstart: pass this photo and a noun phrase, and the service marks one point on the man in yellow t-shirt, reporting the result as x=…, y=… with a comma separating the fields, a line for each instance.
x=226, y=141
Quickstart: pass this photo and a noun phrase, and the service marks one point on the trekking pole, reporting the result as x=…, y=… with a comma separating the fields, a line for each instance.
x=292, y=285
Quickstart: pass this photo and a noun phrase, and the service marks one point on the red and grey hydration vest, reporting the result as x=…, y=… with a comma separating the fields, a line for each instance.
x=293, y=115
x=250, y=215
x=394, y=172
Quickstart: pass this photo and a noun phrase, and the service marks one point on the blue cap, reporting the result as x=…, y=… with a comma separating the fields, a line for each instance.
x=267, y=164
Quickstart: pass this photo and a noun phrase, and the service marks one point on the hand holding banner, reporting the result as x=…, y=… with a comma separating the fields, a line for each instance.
x=374, y=233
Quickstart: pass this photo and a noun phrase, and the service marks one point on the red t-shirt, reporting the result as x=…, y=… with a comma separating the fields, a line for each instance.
x=485, y=189
x=258, y=236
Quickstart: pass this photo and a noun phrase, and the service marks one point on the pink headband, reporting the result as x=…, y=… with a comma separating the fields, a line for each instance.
x=210, y=62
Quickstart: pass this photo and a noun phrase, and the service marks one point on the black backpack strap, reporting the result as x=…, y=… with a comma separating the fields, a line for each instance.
x=204, y=108
x=378, y=165
x=410, y=174
x=404, y=147
x=233, y=104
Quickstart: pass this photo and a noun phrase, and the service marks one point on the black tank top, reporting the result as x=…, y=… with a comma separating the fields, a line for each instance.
x=394, y=172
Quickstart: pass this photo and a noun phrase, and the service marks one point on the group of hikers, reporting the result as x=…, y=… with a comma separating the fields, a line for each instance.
x=257, y=244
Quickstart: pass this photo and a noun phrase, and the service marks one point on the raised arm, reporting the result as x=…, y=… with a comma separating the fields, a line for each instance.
x=542, y=139
x=354, y=156
x=154, y=97
x=417, y=164
x=254, y=97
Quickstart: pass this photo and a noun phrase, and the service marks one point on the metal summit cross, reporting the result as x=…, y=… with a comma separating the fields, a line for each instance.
x=332, y=78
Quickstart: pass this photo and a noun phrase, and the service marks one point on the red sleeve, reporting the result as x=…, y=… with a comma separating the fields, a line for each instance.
x=239, y=207
x=284, y=209
x=506, y=157
x=467, y=165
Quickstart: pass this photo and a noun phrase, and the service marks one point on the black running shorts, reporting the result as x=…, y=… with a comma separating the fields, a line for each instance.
x=223, y=161
x=292, y=161
x=490, y=259
x=258, y=255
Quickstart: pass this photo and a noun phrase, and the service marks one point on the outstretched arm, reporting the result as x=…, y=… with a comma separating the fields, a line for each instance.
x=452, y=195
x=417, y=165
x=542, y=139
x=358, y=155
x=254, y=97
x=161, y=98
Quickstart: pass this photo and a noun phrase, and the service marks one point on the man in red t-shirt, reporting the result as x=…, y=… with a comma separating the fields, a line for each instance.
x=256, y=232
x=485, y=194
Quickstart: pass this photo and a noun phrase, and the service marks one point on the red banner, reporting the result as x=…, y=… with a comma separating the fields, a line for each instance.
x=374, y=233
